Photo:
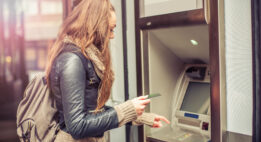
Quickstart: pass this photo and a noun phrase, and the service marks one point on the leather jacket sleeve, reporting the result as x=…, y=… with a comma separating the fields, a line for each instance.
x=79, y=123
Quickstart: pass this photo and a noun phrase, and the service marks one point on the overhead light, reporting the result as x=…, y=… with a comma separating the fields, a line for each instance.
x=194, y=42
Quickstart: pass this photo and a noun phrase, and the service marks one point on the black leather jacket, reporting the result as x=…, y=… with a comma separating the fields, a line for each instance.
x=74, y=85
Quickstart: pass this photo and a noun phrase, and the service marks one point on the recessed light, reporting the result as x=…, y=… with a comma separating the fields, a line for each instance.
x=194, y=42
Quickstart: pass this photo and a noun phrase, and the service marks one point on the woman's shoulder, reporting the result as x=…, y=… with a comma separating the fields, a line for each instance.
x=69, y=61
x=71, y=56
x=68, y=57
x=70, y=53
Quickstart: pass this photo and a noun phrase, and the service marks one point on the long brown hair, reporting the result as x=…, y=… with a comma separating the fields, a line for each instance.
x=88, y=24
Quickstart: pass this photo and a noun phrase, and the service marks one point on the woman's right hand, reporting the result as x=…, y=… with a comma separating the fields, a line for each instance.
x=140, y=104
x=157, y=121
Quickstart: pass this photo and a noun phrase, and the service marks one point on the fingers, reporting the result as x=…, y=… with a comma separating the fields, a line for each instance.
x=140, y=104
x=158, y=118
x=145, y=102
x=139, y=113
x=143, y=97
x=142, y=108
x=157, y=124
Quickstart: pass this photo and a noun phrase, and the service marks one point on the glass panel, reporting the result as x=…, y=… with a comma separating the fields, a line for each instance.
x=159, y=7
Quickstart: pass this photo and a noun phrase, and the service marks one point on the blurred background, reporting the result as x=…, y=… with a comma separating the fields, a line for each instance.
x=27, y=27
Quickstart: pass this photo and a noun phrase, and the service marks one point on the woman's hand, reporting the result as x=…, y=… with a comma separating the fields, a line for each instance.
x=157, y=121
x=140, y=104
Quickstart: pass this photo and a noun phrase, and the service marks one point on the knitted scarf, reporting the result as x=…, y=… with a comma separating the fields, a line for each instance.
x=93, y=54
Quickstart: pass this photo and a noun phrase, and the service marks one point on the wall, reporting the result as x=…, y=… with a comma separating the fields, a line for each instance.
x=238, y=48
x=164, y=69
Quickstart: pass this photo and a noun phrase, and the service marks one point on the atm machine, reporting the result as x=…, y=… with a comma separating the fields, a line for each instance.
x=190, y=119
x=176, y=64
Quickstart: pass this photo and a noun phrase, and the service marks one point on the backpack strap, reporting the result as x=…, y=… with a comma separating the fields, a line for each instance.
x=88, y=65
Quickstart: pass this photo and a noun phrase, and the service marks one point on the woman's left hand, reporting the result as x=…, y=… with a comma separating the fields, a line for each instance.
x=157, y=121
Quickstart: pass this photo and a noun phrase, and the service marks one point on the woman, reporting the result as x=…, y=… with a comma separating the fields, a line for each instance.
x=81, y=87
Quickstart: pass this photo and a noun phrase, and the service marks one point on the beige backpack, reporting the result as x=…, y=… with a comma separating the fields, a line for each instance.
x=37, y=113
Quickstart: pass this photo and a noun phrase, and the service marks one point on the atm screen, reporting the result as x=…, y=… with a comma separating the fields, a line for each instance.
x=197, y=98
